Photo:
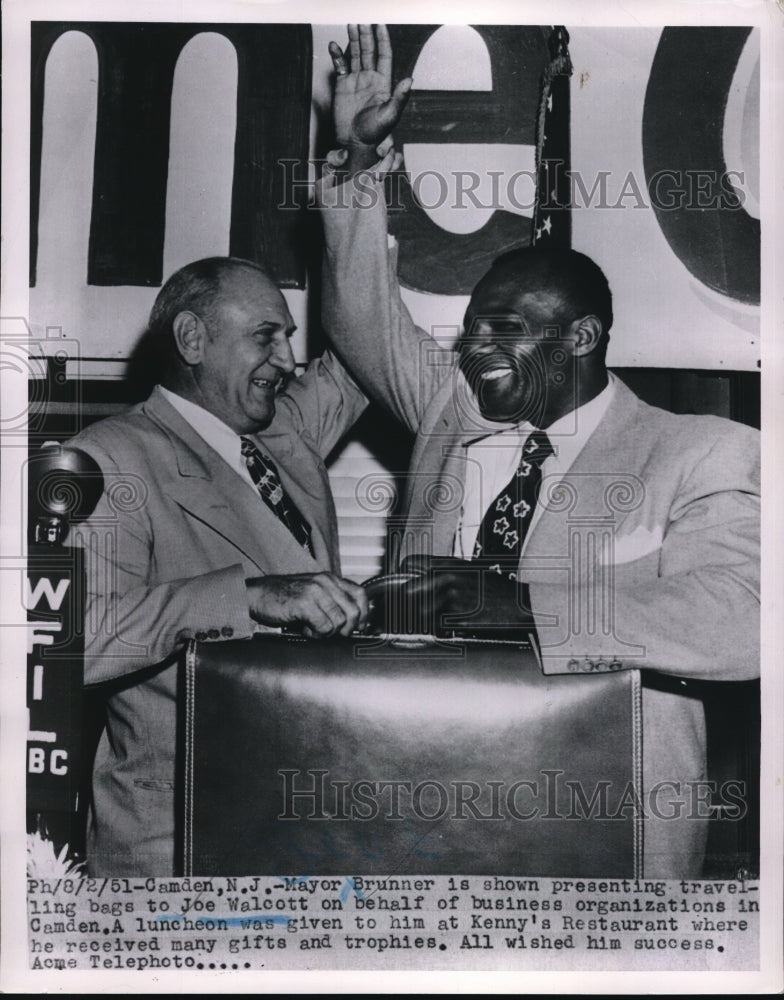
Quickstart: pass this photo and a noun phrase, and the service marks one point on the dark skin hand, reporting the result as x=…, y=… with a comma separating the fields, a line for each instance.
x=460, y=594
x=365, y=108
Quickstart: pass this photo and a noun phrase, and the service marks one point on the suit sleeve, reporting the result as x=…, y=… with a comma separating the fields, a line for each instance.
x=129, y=623
x=700, y=617
x=397, y=363
x=323, y=402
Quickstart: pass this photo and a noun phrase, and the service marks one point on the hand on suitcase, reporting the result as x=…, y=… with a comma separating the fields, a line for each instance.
x=319, y=604
x=462, y=597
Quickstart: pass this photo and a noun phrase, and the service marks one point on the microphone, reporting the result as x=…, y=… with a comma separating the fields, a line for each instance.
x=64, y=486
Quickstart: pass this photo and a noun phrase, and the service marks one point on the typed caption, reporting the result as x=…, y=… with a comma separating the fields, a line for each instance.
x=416, y=922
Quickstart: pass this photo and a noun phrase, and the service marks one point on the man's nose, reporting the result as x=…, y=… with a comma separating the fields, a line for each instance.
x=478, y=338
x=480, y=333
x=283, y=356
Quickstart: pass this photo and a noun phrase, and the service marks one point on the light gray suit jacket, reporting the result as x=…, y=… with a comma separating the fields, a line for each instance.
x=169, y=547
x=646, y=553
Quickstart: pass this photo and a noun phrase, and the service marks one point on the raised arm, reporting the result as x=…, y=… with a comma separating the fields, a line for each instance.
x=395, y=362
x=324, y=403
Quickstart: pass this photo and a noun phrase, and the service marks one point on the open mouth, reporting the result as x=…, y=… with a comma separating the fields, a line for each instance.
x=494, y=374
x=265, y=383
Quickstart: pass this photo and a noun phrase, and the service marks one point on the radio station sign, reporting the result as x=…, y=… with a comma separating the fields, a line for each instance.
x=55, y=648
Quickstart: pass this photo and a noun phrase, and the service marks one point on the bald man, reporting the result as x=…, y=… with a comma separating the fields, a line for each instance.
x=216, y=520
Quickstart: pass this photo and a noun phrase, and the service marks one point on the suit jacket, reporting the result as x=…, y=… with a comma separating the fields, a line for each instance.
x=646, y=553
x=168, y=549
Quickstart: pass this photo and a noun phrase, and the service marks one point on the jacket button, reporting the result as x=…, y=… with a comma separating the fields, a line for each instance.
x=616, y=665
x=600, y=665
x=588, y=664
x=213, y=633
x=573, y=665
x=227, y=631
x=201, y=636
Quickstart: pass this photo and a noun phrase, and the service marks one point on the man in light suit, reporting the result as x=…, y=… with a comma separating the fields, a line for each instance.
x=185, y=544
x=643, y=548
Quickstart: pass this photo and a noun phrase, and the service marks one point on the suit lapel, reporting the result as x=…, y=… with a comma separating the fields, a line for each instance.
x=604, y=461
x=437, y=487
x=443, y=462
x=204, y=484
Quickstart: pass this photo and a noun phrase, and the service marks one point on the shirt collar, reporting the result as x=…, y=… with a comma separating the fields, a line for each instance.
x=570, y=432
x=212, y=429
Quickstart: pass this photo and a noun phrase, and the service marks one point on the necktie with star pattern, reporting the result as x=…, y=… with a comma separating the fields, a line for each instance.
x=502, y=533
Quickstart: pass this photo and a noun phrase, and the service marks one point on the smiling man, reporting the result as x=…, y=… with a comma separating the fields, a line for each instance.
x=520, y=332
x=532, y=355
x=217, y=518
x=542, y=492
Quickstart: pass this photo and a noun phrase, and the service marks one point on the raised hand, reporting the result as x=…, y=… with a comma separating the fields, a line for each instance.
x=365, y=107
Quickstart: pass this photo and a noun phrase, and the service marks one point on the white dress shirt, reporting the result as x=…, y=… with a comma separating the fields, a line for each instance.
x=219, y=436
x=491, y=461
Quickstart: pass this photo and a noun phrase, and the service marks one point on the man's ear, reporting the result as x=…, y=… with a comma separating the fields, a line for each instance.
x=189, y=336
x=587, y=335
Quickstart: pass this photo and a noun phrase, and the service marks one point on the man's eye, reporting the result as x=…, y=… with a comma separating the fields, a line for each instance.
x=492, y=325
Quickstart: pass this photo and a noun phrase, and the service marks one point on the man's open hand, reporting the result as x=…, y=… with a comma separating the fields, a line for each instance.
x=365, y=108
x=320, y=604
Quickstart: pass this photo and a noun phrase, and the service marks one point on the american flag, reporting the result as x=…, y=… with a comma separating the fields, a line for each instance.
x=552, y=215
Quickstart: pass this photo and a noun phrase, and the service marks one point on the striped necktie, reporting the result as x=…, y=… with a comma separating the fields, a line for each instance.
x=265, y=478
